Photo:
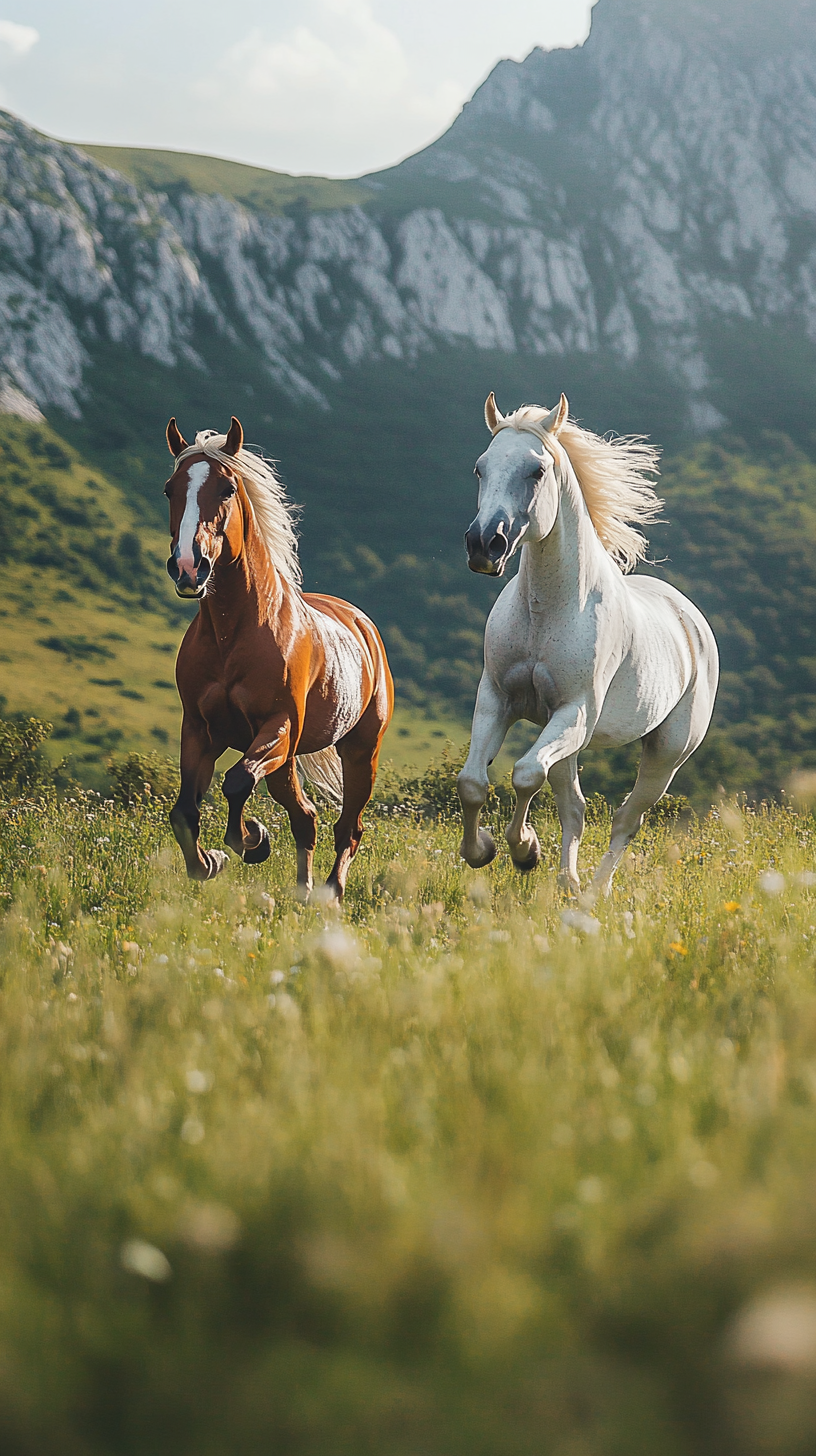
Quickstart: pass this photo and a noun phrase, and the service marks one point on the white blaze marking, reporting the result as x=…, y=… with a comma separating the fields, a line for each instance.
x=189, y=522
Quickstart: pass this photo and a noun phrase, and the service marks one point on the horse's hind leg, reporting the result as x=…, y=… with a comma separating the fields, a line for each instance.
x=664, y=752
x=359, y=752
x=571, y=806
x=285, y=787
x=198, y=756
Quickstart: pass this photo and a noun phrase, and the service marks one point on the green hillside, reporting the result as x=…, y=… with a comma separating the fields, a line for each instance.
x=256, y=187
x=89, y=628
x=92, y=624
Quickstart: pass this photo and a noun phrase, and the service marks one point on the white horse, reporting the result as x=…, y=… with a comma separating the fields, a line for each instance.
x=572, y=644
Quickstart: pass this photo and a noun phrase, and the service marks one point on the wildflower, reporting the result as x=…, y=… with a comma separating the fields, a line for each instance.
x=731, y=906
x=621, y=1129
x=677, y=948
x=275, y=978
x=703, y=1174
x=771, y=882
x=338, y=946
x=679, y=1067
x=198, y=1082
x=287, y=1006
x=590, y=1190
x=210, y=1227
x=146, y=1260
x=777, y=1331
x=578, y=920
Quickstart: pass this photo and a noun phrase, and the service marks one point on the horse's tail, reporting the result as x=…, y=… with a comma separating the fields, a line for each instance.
x=325, y=771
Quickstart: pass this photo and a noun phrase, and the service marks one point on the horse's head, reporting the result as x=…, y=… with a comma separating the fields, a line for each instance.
x=201, y=492
x=518, y=491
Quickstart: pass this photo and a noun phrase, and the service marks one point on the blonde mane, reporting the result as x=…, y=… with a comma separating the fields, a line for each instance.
x=274, y=514
x=612, y=475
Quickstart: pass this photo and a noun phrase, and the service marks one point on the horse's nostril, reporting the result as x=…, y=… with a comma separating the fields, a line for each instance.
x=497, y=545
x=204, y=569
x=172, y=568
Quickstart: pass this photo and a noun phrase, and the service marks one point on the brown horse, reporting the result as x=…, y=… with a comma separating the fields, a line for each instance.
x=285, y=677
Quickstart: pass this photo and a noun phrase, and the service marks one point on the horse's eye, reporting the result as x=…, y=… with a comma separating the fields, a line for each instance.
x=227, y=491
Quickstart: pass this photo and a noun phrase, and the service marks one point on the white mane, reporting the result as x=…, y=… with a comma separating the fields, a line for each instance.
x=612, y=474
x=274, y=514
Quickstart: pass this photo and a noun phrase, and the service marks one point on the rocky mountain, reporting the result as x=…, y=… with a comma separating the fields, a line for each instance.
x=644, y=204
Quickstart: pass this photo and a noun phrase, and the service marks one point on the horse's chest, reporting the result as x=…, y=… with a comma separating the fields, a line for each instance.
x=530, y=689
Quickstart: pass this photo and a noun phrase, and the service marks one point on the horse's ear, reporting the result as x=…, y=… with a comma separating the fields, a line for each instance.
x=235, y=438
x=554, y=422
x=493, y=415
x=175, y=440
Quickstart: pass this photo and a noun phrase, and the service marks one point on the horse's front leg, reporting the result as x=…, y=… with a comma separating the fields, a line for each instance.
x=571, y=806
x=266, y=754
x=198, y=756
x=491, y=720
x=563, y=738
x=285, y=787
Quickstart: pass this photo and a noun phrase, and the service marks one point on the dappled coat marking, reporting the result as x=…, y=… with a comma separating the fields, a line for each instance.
x=292, y=680
x=572, y=644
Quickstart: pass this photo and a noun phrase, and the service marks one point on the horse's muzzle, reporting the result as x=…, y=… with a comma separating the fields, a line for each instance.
x=188, y=586
x=488, y=548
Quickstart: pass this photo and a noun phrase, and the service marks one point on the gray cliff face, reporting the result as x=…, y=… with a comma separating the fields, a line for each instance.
x=625, y=200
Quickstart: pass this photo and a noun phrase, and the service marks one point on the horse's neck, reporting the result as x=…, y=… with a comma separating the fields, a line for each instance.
x=570, y=563
x=247, y=588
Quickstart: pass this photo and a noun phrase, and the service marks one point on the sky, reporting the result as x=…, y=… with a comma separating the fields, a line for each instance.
x=332, y=87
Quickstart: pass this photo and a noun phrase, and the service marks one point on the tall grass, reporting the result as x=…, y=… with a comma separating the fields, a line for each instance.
x=461, y=1170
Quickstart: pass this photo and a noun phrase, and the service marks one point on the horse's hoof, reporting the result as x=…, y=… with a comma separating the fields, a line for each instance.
x=262, y=849
x=570, y=888
x=214, y=862
x=531, y=860
x=487, y=845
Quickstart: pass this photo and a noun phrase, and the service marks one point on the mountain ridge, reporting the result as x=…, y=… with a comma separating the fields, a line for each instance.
x=632, y=202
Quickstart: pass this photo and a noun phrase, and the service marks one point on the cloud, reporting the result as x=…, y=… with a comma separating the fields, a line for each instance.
x=334, y=82
x=15, y=39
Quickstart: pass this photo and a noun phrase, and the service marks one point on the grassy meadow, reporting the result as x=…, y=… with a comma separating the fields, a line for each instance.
x=459, y=1170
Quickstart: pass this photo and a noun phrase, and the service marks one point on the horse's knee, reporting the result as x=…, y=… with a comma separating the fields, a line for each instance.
x=528, y=777
x=238, y=782
x=182, y=826
x=471, y=789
